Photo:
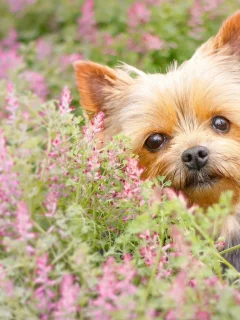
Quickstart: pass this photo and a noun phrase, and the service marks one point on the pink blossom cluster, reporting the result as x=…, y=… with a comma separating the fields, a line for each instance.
x=114, y=289
x=12, y=104
x=67, y=60
x=37, y=83
x=197, y=12
x=6, y=285
x=56, y=159
x=150, y=250
x=9, y=60
x=95, y=126
x=55, y=162
x=44, y=293
x=9, y=189
x=19, y=5
x=131, y=187
x=109, y=43
x=67, y=305
x=16, y=222
x=65, y=101
x=11, y=41
x=87, y=23
x=52, y=197
x=139, y=14
x=44, y=48
x=23, y=222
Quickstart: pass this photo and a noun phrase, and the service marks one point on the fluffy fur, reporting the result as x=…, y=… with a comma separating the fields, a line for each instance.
x=180, y=104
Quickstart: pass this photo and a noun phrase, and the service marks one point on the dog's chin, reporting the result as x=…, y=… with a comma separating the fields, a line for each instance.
x=206, y=192
x=200, y=182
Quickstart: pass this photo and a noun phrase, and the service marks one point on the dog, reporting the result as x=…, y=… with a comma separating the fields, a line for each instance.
x=184, y=124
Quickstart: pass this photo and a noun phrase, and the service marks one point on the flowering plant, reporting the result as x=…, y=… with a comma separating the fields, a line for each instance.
x=81, y=235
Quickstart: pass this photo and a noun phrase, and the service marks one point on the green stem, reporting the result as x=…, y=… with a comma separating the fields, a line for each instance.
x=63, y=254
x=78, y=189
x=39, y=228
x=230, y=249
x=47, y=152
x=226, y=263
x=216, y=253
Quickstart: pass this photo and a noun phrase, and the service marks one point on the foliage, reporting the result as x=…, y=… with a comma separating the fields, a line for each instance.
x=53, y=34
x=82, y=237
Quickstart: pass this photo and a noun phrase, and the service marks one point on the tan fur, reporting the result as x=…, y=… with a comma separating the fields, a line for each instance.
x=180, y=104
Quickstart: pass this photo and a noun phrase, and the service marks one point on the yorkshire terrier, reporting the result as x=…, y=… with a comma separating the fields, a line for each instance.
x=184, y=124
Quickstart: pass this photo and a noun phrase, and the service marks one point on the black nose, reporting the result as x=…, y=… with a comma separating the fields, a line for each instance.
x=195, y=158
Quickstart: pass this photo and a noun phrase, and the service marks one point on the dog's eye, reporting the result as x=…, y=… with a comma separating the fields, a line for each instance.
x=220, y=124
x=155, y=141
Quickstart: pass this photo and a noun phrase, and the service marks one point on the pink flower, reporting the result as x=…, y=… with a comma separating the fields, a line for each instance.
x=68, y=59
x=9, y=190
x=65, y=101
x=179, y=243
x=93, y=162
x=177, y=291
x=43, y=48
x=108, y=44
x=132, y=169
x=96, y=125
x=12, y=104
x=19, y=5
x=154, y=2
x=51, y=200
x=196, y=13
x=23, y=222
x=237, y=296
x=9, y=60
x=193, y=283
x=37, y=83
x=203, y=315
x=211, y=5
x=6, y=285
x=138, y=14
x=149, y=253
x=172, y=315
x=87, y=23
x=171, y=194
x=134, y=46
x=132, y=186
x=220, y=245
x=152, y=42
x=212, y=281
x=114, y=289
x=44, y=294
x=67, y=306
x=11, y=41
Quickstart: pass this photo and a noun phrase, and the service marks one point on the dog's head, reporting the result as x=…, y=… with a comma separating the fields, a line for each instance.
x=184, y=124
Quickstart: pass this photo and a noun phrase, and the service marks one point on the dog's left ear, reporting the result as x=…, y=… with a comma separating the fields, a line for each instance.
x=227, y=38
x=100, y=87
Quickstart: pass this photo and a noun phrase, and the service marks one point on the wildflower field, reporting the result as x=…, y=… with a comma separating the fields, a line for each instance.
x=81, y=236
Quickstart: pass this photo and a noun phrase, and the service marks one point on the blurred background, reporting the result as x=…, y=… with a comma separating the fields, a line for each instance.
x=40, y=39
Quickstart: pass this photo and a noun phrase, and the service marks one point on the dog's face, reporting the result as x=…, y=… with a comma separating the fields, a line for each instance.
x=184, y=124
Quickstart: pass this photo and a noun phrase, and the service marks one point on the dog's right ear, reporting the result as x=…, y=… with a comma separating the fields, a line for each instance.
x=227, y=38
x=98, y=85
x=229, y=34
